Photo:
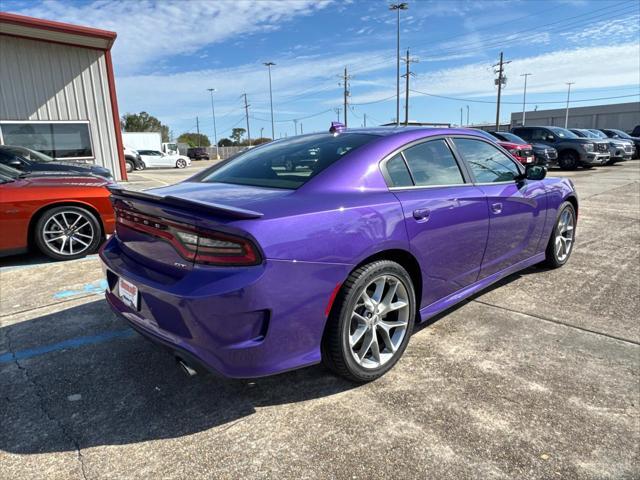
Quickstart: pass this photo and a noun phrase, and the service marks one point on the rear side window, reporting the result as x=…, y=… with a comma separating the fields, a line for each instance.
x=488, y=164
x=432, y=163
x=287, y=163
x=398, y=173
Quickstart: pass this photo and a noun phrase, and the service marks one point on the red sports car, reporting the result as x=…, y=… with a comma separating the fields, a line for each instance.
x=66, y=217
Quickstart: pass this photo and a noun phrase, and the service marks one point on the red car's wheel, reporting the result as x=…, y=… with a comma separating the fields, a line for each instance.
x=66, y=233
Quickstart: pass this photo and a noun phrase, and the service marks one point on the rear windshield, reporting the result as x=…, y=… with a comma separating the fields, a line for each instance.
x=287, y=163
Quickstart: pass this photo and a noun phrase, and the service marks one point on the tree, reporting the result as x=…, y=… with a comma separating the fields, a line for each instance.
x=143, y=122
x=236, y=134
x=194, y=139
x=261, y=140
x=225, y=142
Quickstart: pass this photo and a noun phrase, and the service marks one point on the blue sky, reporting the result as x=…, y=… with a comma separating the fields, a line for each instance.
x=168, y=53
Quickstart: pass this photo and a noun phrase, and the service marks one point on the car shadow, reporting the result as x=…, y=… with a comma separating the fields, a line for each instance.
x=121, y=390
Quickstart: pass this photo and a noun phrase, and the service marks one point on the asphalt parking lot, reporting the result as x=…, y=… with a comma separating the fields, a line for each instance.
x=538, y=377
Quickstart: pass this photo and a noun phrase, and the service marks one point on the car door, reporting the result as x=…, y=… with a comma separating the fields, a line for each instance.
x=161, y=159
x=446, y=216
x=517, y=207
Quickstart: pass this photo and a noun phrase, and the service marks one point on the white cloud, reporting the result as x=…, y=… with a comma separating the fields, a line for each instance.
x=589, y=67
x=618, y=30
x=151, y=31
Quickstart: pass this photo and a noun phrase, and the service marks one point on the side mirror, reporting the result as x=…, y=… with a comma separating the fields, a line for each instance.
x=551, y=138
x=535, y=172
x=15, y=163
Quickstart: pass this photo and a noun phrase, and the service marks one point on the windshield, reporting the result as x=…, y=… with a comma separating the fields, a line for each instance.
x=29, y=154
x=8, y=174
x=287, y=163
x=620, y=133
x=598, y=133
x=563, y=133
x=510, y=137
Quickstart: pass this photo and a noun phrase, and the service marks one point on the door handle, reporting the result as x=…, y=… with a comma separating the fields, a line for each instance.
x=496, y=208
x=421, y=214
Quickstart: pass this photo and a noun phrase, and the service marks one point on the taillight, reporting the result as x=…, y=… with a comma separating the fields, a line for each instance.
x=198, y=245
x=216, y=248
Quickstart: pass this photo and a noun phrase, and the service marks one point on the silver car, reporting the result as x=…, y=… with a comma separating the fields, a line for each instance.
x=620, y=149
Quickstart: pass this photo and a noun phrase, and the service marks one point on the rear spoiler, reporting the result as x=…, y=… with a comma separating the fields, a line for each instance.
x=172, y=201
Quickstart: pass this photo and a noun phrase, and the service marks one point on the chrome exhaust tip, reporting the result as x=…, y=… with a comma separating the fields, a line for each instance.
x=186, y=369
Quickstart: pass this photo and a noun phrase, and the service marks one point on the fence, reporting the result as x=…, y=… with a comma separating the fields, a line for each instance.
x=224, y=152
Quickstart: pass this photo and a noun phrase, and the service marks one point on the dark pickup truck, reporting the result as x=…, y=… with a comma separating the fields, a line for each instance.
x=573, y=151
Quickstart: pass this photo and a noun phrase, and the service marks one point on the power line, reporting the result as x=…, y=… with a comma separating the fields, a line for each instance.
x=519, y=103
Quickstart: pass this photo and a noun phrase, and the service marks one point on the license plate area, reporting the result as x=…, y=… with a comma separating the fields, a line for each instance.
x=128, y=293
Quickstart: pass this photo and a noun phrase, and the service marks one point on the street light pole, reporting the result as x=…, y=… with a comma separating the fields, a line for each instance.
x=397, y=7
x=273, y=130
x=213, y=113
x=468, y=116
x=566, y=116
x=524, y=96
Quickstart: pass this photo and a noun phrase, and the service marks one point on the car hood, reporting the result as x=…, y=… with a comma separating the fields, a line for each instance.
x=66, y=180
x=541, y=146
x=59, y=166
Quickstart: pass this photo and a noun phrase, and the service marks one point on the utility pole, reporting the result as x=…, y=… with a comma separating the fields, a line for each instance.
x=300, y=128
x=295, y=126
x=273, y=129
x=261, y=132
x=345, y=83
x=524, y=96
x=365, y=120
x=246, y=111
x=566, y=116
x=460, y=116
x=198, y=129
x=397, y=7
x=337, y=110
x=468, y=116
x=500, y=81
x=408, y=62
x=215, y=133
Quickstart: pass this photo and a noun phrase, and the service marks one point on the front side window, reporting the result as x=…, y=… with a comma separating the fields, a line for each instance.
x=488, y=164
x=563, y=133
x=59, y=140
x=432, y=163
x=287, y=163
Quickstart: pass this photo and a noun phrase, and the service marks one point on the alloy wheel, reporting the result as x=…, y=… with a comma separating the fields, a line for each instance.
x=564, y=235
x=68, y=232
x=379, y=322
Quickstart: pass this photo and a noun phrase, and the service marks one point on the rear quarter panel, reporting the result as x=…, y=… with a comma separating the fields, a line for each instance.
x=558, y=190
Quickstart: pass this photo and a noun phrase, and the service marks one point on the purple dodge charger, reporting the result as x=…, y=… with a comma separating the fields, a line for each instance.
x=253, y=267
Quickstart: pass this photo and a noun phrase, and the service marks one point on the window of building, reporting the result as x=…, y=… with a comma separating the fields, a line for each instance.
x=60, y=140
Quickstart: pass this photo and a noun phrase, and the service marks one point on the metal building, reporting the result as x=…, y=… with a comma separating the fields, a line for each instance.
x=57, y=91
x=623, y=116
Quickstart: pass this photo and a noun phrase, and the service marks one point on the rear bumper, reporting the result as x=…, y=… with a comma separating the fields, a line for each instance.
x=240, y=322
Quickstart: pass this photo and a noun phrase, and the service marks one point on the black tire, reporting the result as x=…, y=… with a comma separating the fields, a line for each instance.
x=181, y=163
x=336, y=352
x=130, y=167
x=81, y=235
x=552, y=259
x=568, y=160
